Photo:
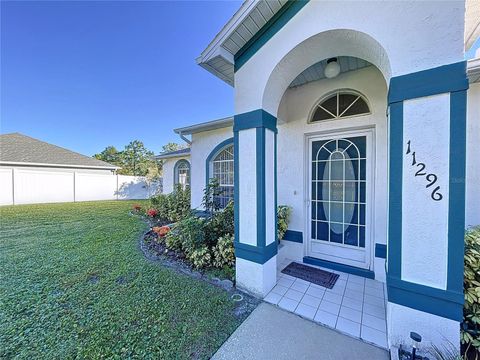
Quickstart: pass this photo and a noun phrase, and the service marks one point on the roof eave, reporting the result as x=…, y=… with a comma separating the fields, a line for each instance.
x=206, y=126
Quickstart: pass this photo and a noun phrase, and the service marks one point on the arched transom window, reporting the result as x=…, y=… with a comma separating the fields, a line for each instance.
x=223, y=170
x=182, y=173
x=340, y=104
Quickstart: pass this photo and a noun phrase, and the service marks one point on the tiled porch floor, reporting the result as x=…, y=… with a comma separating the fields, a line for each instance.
x=354, y=306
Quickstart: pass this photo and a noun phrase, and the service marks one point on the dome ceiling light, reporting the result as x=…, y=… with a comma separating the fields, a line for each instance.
x=332, y=69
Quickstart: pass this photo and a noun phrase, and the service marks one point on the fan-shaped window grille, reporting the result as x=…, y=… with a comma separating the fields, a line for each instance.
x=340, y=104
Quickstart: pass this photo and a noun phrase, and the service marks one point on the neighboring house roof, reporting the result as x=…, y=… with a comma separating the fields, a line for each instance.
x=19, y=149
x=472, y=22
x=256, y=16
x=174, y=154
x=206, y=126
x=473, y=69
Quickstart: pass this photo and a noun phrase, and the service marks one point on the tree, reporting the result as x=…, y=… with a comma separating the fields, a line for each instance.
x=137, y=159
x=171, y=146
x=110, y=155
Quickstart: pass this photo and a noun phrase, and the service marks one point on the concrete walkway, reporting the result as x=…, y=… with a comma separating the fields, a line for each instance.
x=272, y=333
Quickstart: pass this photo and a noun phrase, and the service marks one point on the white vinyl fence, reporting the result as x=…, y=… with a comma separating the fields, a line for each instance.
x=33, y=186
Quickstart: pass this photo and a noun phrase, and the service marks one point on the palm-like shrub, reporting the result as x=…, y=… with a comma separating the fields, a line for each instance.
x=471, y=283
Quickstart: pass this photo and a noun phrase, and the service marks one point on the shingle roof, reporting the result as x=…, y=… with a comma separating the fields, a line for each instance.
x=17, y=148
x=176, y=153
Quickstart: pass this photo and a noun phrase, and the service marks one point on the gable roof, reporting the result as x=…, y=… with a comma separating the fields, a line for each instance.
x=174, y=154
x=19, y=149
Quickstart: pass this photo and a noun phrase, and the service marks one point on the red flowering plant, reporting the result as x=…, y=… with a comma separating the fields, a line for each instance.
x=137, y=207
x=152, y=212
x=161, y=231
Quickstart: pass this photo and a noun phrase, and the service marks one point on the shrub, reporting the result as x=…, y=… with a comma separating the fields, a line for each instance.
x=221, y=223
x=152, y=213
x=173, y=240
x=223, y=252
x=137, y=207
x=201, y=257
x=283, y=218
x=174, y=206
x=187, y=235
x=210, y=196
x=471, y=283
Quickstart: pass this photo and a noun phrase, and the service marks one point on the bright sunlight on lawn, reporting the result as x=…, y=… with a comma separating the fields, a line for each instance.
x=73, y=283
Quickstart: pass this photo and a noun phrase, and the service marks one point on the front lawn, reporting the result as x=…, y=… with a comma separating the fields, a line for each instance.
x=73, y=283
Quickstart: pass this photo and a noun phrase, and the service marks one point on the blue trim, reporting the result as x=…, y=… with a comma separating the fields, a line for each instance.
x=255, y=119
x=448, y=304
x=260, y=170
x=261, y=37
x=259, y=255
x=236, y=187
x=340, y=267
x=445, y=79
x=294, y=236
x=213, y=153
x=456, y=197
x=381, y=251
x=439, y=80
x=175, y=171
x=395, y=185
x=260, y=120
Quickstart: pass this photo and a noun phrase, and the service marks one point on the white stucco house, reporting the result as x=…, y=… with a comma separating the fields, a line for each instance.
x=355, y=115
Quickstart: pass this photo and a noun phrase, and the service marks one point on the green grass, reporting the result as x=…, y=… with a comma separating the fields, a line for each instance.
x=74, y=284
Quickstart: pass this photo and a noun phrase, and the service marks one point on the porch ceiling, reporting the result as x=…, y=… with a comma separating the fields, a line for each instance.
x=316, y=71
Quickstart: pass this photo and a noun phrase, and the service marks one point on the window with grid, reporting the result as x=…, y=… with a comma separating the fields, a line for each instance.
x=182, y=173
x=340, y=104
x=223, y=171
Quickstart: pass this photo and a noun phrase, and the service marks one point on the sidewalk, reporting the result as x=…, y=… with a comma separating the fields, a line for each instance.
x=272, y=333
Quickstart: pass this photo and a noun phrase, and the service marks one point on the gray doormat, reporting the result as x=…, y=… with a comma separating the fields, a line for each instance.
x=313, y=275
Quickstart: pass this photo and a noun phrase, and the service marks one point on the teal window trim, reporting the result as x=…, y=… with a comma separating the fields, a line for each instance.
x=260, y=120
x=175, y=171
x=261, y=37
x=214, y=153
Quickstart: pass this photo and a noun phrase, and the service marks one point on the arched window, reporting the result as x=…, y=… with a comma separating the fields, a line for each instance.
x=340, y=104
x=221, y=167
x=182, y=173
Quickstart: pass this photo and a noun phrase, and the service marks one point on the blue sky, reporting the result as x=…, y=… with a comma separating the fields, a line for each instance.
x=85, y=75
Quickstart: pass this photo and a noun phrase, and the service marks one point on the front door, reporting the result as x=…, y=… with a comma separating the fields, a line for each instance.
x=339, y=198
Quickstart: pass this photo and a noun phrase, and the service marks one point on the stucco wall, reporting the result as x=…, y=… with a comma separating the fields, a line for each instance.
x=294, y=111
x=473, y=157
x=202, y=145
x=427, y=30
x=168, y=176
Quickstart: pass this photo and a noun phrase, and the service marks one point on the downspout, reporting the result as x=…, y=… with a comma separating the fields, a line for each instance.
x=187, y=140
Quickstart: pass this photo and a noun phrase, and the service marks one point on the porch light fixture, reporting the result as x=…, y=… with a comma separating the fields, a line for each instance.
x=332, y=69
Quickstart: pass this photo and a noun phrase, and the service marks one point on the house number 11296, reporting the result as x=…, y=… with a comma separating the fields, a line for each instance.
x=431, y=178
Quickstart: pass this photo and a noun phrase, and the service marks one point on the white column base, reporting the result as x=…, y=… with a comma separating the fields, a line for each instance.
x=434, y=329
x=257, y=279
